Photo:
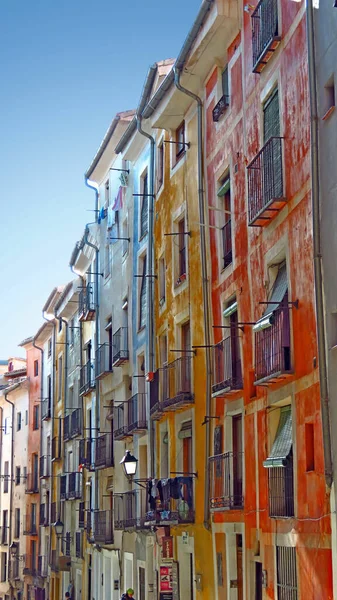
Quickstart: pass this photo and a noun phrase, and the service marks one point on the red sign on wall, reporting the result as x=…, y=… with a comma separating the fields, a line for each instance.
x=166, y=578
x=167, y=547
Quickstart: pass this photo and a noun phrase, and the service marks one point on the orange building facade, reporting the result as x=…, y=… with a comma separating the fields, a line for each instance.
x=268, y=499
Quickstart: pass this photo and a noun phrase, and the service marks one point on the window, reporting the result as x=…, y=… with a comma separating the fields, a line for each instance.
x=329, y=99
x=36, y=416
x=17, y=523
x=224, y=195
x=60, y=366
x=26, y=417
x=3, y=566
x=72, y=331
x=107, y=193
x=107, y=262
x=36, y=368
x=280, y=468
x=17, y=475
x=182, y=249
x=6, y=476
x=18, y=421
x=310, y=446
x=142, y=296
x=33, y=513
x=4, y=538
x=7, y=425
x=225, y=83
x=228, y=368
x=49, y=348
x=125, y=236
x=219, y=569
x=286, y=572
x=162, y=283
x=271, y=117
x=144, y=206
x=160, y=165
x=180, y=141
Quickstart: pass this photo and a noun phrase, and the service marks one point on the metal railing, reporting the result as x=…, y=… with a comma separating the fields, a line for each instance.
x=32, y=483
x=130, y=509
x=74, y=486
x=30, y=566
x=264, y=31
x=104, y=451
x=85, y=457
x=46, y=409
x=120, y=421
x=136, y=408
x=227, y=372
x=226, y=234
x=42, y=566
x=226, y=486
x=66, y=544
x=155, y=406
x=29, y=525
x=44, y=466
x=175, y=383
x=66, y=428
x=86, y=303
x=79, y=544
x=103, y=360
x=169, y=510
x=265, y=180
x=87, y=378
x=220, y=108
x=44, y=515
x=76, y=422
x=63, y=487
x=120, y=346
x=281, y=490
x=272, y=347
x=103, y=529
x=81, y=515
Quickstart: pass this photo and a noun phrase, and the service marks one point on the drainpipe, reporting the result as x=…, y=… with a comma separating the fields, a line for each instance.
x=205, y=292
x=52, y=431
x=149, y=317
x=315, y=195
x=11, y=477
x=41, y=395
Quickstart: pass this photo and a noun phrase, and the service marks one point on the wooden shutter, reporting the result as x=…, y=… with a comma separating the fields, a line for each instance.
x=271, y=117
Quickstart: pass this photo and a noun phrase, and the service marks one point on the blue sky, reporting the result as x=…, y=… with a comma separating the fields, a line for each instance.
x=66, y=68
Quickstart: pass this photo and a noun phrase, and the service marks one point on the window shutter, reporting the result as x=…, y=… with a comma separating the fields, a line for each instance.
x=225, y=86
x=271, y=121
x=142, y=300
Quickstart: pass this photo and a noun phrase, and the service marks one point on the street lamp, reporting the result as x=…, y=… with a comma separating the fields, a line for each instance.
x=129, y=464
x=14, y=549
x=58, y=526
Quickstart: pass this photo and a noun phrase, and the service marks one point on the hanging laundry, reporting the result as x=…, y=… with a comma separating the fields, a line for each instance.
x=111, y=217
x=118, y=204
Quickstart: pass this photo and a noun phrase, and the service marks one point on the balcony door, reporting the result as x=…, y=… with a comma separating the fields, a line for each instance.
x=235, y=349
x=237, y=444
x=186, y=358
x=272, y=159
x=35, y=471
x=239, y=567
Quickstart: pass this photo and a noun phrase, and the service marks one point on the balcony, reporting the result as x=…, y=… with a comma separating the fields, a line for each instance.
x=66, y=544
x=30, y=567
x=103, y=361
x=266, y=196
x=44, y=467
x=120, y=421
x=225, y=472
x=63, y=487
x=72, y=424
x=85, y=453
x=86, y=304
x=120, y=347
x=103, y=529
x=220, y=108
x=29, y=525
x=155, y=407
x=87, y=378
x=265, y=33
x=56, y=453
x=46, y=409
x=168, y=510
x=44, y=515
x=42, y=566
x=4, y=535
x=136, y=406
x=227, y=372
x=14, y=569
x=130, y=509
x=79, y=544
x=175, y=385
x=32, y=483
x=272, y=348
x=71, y=486
x=104, y=451
x=54, y=563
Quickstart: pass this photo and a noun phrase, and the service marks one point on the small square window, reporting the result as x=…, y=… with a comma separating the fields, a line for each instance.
x=17, y=475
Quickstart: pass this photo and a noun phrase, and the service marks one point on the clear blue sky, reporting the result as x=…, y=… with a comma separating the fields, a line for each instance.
x=67, y=66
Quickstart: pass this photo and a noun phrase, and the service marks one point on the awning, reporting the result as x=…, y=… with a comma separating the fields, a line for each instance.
x=283, y=442
x=185, y=430
x=224, y=187
x=280, y=289
x=232, y=308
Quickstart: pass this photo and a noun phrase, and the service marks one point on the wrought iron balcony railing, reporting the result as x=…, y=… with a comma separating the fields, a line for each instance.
x=66, y=544
x=266, y=195
x=74, y=486
x=175, y=384
x=103, y=529
x=30, y=525
x=72, y=424
x=169, y=510
x=85, y=453
x=87, y=378
x=46, y=409
x=45, y=466
x=130, y=509
x=42, y=566
x=227, y=372
x=281, y=490
x=225, y=472
x=120, y=347
x=104, y=451
x=220, y=108
x=30, y=565
x=265, y=33
x=32, y=483
x=103, y=360
x=120, y=421
x=155, y=405
x=272, y=348
x=136, y=408
x=86, y=303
